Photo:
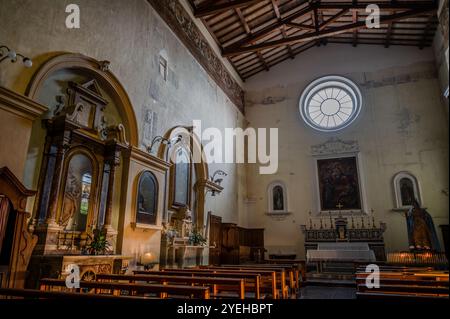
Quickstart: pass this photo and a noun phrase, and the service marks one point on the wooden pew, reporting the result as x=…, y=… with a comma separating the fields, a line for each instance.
x=300, y=264
x=268, y=281
x=293, y=273
x=8, y=293
x=403, y=282
x=276, y=276
x=235, y=285
x=252, y=280
x=116, y=289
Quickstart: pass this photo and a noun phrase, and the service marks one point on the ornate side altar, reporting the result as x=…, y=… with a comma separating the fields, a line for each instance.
x=359, y=229
x=177, y=247
x=58, y=266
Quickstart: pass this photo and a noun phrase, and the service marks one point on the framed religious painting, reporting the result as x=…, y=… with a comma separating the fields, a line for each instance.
x=339, y=184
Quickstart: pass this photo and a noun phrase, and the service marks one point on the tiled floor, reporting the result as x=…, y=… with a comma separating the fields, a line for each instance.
x=323, y=292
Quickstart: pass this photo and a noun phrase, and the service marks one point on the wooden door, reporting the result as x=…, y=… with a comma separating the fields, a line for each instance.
x=215, y=239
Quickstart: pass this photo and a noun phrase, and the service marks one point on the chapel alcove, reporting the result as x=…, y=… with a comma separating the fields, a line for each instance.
x=188, y=185
x=78, y=157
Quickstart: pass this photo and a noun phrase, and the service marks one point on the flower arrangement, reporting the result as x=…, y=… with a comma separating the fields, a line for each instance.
x=196, y=238
x=169, y=232
x=98, y=243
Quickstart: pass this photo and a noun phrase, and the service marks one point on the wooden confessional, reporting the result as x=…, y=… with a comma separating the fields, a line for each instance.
x=16, y=241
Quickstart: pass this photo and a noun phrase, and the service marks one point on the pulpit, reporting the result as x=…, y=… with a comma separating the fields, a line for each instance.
x=16, y=241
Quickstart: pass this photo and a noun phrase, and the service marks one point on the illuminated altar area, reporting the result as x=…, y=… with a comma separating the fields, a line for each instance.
x=339, y=230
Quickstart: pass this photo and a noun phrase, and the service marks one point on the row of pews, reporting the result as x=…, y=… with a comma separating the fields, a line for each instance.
x=404, y=283
x=259, y=281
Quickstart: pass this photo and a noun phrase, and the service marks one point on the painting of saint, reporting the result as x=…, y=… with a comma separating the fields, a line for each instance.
x=147, y=199
x=339, y=184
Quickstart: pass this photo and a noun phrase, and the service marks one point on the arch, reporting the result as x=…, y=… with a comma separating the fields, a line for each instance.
x=406, y=184
x=280, y=187
x=100, y=71
x=191, y=142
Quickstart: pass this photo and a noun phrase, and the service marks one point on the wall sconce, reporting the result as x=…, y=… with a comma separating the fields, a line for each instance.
x=218, y=173
x=7, y=53
x=165, y=141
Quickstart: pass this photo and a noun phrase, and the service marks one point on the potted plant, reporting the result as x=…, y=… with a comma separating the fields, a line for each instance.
x=98, y=244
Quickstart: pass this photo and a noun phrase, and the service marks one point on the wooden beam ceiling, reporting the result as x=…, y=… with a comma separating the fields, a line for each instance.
x=256, y=35
x=321, y=34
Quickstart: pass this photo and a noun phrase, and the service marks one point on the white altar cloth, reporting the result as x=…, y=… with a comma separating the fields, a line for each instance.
x=342, y=252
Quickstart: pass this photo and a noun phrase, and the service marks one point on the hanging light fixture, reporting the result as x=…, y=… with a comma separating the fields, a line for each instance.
x=7, y=53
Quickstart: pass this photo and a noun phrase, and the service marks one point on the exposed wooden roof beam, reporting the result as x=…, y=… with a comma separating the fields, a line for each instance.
x=355, y=31
x=268, y=30
x=207, y=10
x=425, y=33
x=389, y=34
x=276, y=9
x=325, y=33
x=249, y=31
x=333, y=18
x=396, y=5
x=243, y=21
x=300, y=26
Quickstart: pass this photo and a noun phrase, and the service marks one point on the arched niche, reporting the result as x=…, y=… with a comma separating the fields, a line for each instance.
x=277, y=198
x=406, y=190
x=186, y=140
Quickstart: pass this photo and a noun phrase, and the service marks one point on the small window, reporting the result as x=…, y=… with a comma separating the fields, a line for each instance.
x=406, y=189
x=86, y=181
x=330, y=103
x=277, y=198
x=147, y=199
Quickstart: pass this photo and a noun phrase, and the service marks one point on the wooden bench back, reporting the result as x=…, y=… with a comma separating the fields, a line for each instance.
x=164, y=291
x=252, y=280
x=236, y=285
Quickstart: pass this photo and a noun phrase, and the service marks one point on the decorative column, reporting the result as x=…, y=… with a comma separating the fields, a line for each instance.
x=113, y=161
x=49, y=230
x=56, y=186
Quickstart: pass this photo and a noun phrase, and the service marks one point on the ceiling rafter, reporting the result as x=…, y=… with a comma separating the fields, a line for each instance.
x=249, y=31
x=283, y=28
x=256, y=35
x=208, y=10
x=324, y=33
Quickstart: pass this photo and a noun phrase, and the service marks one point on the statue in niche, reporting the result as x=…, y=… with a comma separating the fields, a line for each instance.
x=182, y=222
x=421, y=232
x=278, y=198
x=407, y=192
x=71, y=201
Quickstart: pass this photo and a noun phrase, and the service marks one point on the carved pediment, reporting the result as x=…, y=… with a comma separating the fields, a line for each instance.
x=335, y=146
x=86, y=105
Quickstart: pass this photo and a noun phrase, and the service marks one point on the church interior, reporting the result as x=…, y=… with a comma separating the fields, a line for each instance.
x=224, y=149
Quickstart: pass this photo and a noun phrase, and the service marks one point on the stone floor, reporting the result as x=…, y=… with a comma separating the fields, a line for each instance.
x=324, y=292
